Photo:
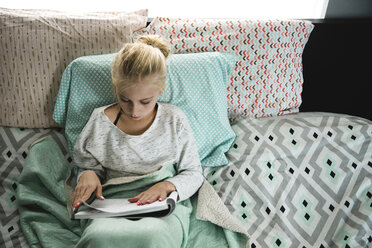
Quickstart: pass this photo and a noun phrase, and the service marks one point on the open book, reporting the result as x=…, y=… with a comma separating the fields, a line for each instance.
x=123, y=208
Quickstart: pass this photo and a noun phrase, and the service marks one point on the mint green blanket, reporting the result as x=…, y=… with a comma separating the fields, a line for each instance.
x=44, y=197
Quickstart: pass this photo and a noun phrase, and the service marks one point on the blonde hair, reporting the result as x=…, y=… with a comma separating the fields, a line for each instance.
x=147, y=56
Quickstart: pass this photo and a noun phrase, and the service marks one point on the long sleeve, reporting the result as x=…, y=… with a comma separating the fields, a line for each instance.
x=189, y=177
x=110, y=152
x=83, y=157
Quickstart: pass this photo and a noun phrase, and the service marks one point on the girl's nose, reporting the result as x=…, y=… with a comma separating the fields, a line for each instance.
x=135, y=109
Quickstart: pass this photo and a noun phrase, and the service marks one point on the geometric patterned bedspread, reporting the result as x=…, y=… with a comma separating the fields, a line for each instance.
x=301, y=180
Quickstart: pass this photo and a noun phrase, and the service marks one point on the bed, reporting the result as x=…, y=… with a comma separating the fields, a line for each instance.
x=292, y=179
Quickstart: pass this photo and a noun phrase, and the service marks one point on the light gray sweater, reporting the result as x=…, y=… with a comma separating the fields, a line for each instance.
x=111, y=153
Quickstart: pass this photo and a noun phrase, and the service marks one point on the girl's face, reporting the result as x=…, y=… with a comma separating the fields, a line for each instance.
x=139, y=100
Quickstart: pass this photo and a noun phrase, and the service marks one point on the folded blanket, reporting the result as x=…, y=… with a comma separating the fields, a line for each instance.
x=45, y=192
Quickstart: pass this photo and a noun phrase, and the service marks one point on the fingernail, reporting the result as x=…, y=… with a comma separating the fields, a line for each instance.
x=138, y=203
x=101, y=198
x=75, y=208
x=160, y=199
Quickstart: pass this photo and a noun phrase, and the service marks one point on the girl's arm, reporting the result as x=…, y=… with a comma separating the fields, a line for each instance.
x=90, y=170
x=189, y=177
x=84, y=159
x=189, y=172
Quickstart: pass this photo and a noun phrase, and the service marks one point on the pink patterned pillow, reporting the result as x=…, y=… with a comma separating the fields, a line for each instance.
x=267, y=80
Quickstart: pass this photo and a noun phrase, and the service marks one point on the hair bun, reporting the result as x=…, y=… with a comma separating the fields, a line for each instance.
x=155, y=41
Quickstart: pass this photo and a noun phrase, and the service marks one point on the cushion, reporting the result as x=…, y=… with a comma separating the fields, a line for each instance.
x=37, y=45
x=196, y=83
x=267, y=80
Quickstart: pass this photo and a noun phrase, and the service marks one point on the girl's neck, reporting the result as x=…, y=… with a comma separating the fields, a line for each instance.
x=136, y=127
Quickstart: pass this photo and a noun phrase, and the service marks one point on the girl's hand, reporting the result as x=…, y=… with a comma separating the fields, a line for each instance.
x=88, y=183
x=158, y=191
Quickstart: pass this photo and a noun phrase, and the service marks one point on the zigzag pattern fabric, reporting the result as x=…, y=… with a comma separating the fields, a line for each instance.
x=267, y=80
x=300, y=180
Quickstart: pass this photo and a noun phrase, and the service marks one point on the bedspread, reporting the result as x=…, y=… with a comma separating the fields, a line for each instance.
x=302, y=180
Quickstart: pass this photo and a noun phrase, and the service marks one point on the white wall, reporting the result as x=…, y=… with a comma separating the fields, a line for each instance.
x=264, y=9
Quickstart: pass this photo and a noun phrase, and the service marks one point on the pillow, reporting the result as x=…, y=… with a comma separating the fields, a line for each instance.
x=196, y=83
x=267, y=80
x=37, y=45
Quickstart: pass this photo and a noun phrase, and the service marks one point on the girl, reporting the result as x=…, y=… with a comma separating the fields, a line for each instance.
x=136, y=137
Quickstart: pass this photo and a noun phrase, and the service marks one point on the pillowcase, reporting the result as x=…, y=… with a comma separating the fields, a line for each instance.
x=37, y=45
x=267, y=80
x=196, y=83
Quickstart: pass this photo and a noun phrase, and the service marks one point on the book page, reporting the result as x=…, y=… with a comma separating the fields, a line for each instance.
x=122, y=205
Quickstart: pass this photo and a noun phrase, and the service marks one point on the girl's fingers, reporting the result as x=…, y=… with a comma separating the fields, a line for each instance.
x=77, y=202
x=141, y=201
x=99, y=192
x=82, y=195
x=162, y=197
x=77, y=197
x=135, y=199
x=148, y=199
x=86, y=195
x=157, y=192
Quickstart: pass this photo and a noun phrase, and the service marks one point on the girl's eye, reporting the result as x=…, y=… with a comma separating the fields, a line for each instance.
x=145, y=103
x=123, y=100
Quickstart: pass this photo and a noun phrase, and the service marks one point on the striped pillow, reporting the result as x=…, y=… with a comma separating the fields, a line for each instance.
x=37, y=45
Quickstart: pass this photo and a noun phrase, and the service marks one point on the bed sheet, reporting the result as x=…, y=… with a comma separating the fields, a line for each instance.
x=301, y=180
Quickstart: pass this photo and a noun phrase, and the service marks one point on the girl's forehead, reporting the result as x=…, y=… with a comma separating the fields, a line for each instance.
x=149, y=79
x=149, y=85
x=140, y=91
